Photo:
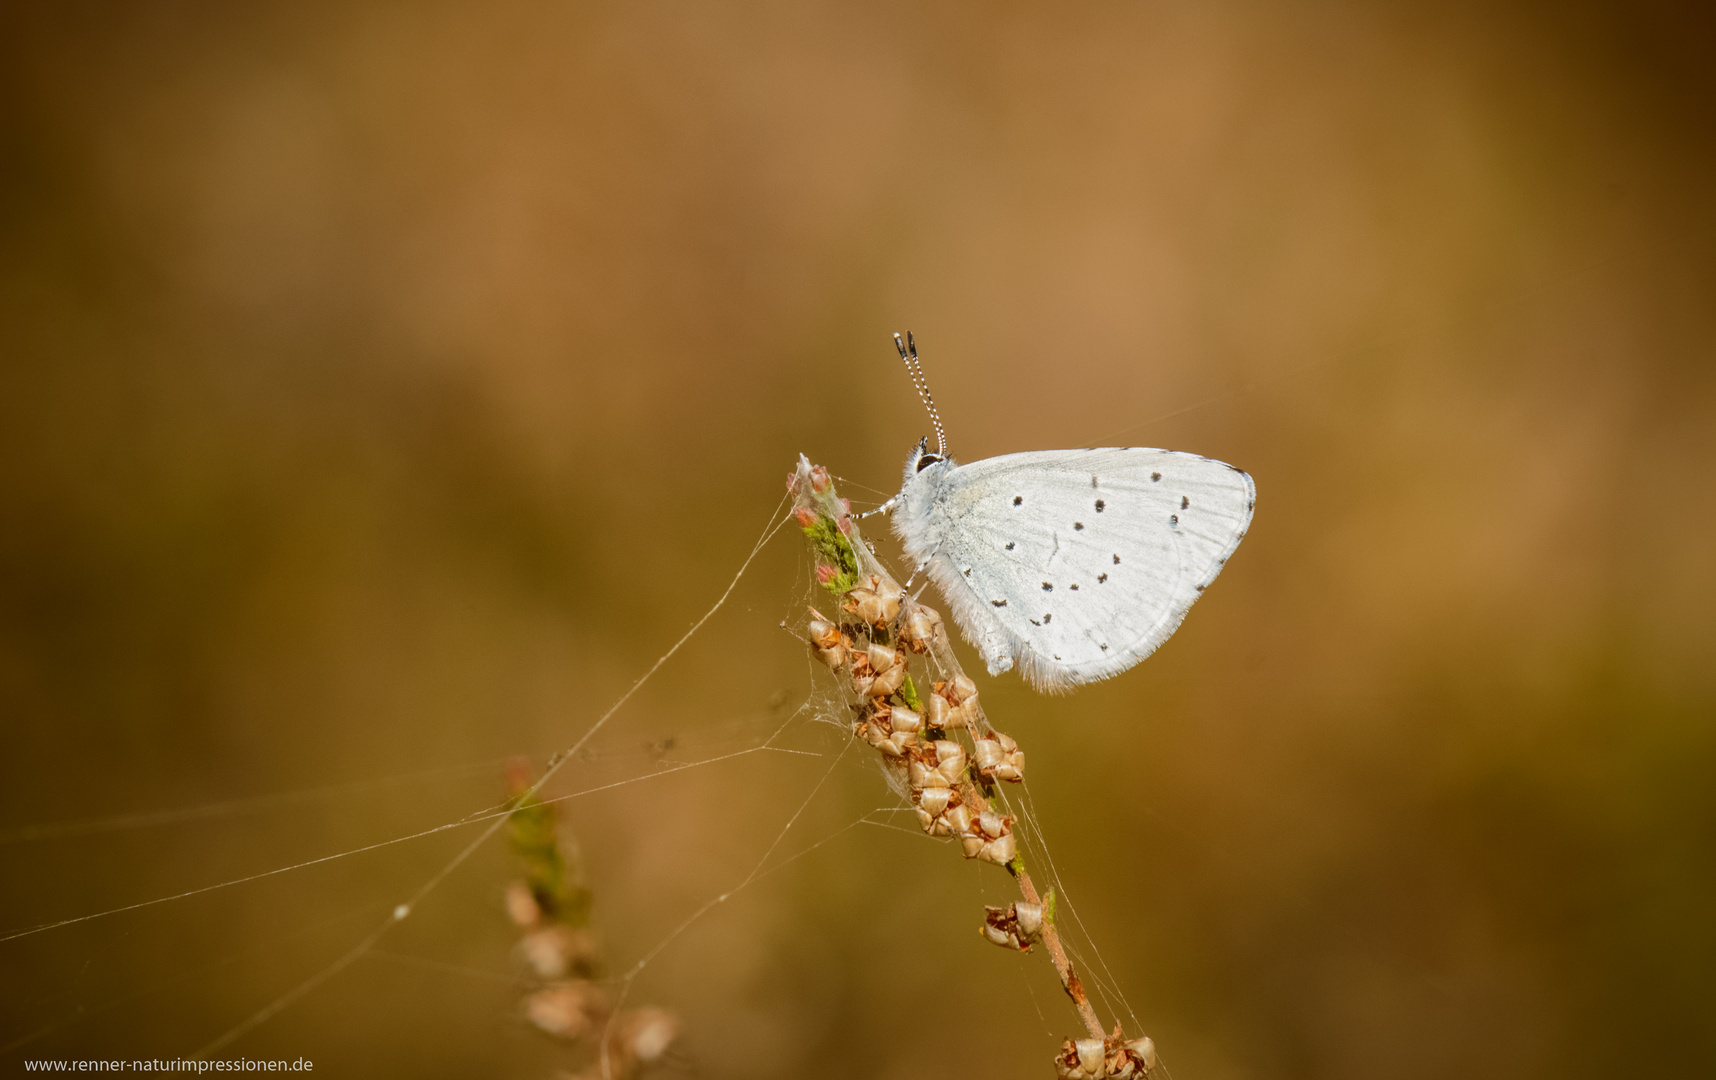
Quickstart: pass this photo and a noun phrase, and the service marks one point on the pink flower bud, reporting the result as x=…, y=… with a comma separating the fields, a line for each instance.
x=825, y=574
x=805, y=515
x=818, y=478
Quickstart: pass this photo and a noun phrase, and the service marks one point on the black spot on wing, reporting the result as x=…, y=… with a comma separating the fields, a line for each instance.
x=1099, y=505
x=1078, y=526
x=1100, y=578
x=1155, y=476
x=1047, y=587
x=1017, y=499
x=1173, y=521
x=1009, y=545
x=1047, y=615
x=1117, y=560
x=999, y=603
x=1185, y=501
x=1073, y=586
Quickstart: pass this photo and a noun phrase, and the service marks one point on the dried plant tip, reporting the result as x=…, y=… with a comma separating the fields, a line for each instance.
x=521, y=905
x=567, y=1010
x=818, y=479
x=919, y=628
x=1080, y=1059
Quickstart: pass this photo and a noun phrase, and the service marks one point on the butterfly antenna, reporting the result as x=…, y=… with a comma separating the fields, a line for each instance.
x=914, y=367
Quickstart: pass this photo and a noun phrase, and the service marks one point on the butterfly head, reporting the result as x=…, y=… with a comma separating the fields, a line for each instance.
x=925, y=464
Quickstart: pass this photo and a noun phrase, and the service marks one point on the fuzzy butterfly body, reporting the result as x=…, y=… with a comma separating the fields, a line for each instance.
x=1071, y=565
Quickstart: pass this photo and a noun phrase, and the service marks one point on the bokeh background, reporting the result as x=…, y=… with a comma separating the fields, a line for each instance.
x=386, y=386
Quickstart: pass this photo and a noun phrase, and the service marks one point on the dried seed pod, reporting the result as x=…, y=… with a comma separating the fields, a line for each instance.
x=950, y=760
x=568, y=1010
x=958, y=820
x=1029, y=918
x=918, y=775
x=934, y=800
x=920, y=627
x=888, y=682
x=643, y=1036
x=972, y=846
x=1001, y=926
x=823, y=634
x=521, y=905
x=877, y=601
x=992, y=824
x=960, y=696
x=881, y=657
x=936, y=711
x=1081, y=1059
x=961, y=690
x=1129, y=1060
x=999, y=758
x=1000, y=851
x=904, y=719
x=555, y=950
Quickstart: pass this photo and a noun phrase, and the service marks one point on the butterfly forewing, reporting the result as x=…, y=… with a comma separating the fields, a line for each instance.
x=1079, y=563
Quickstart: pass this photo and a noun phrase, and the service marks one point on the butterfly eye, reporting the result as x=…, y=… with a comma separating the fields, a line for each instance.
x=927, y=460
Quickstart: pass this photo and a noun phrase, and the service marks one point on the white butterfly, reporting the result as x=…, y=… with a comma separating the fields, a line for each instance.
x=1071, y=565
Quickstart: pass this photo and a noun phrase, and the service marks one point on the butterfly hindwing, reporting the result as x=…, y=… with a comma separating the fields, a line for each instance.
x=1077, y=564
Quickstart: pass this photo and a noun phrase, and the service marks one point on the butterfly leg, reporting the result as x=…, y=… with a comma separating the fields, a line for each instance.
x=920, y=569
x=883, y=509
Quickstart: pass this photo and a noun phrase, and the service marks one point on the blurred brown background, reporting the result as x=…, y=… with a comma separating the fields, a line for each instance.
x=386, y=386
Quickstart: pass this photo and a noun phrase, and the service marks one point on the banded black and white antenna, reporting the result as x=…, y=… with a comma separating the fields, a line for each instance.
x=914, y=367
